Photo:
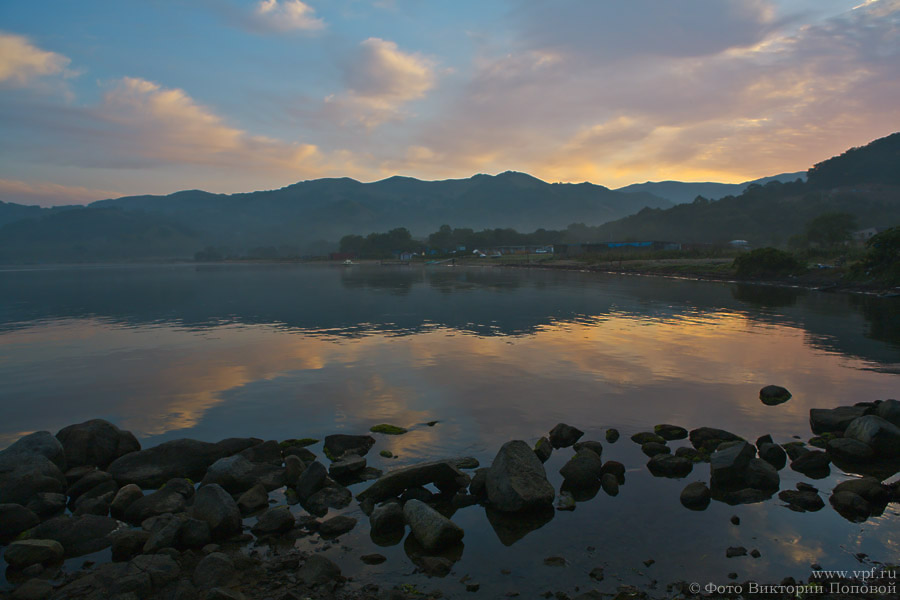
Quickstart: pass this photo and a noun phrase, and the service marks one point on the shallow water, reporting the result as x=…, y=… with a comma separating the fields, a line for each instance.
x=279, y=352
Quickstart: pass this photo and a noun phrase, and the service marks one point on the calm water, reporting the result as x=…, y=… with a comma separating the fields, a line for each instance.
x=280, y=352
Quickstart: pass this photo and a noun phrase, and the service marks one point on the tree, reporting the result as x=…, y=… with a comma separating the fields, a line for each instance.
x=829, y=230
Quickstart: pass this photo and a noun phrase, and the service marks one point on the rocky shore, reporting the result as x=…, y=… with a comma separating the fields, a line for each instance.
x=196, y=520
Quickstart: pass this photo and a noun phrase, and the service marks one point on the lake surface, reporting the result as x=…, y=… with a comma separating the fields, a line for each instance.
x=288, y=351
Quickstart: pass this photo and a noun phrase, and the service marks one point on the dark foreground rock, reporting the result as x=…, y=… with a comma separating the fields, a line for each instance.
x=772, y=395
x=338, y=445
x=216, y=506
x=517, y=481
x=96, y=442
x=151, y=468
x=78, y=535
x=563, y=436
x=877, y=433
x=695, y=496
x=432, y=529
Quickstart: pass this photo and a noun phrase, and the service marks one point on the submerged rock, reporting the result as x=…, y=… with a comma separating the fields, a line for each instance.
x=670, y=432
x=517, y=481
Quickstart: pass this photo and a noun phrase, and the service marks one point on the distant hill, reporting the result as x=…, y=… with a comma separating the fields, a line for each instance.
x=680, y=192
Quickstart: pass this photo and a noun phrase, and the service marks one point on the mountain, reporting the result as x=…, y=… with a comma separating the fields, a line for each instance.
x=680, y=192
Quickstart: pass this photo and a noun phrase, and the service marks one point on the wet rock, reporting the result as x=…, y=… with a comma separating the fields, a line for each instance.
x=151, y=468
x=14, y=519
x=543, y=449
x=614, y=468
x=727, y=466
x=274, y=521
x=772, y=395
x=670, y=432
x=610, y=484
x=510, y=527
x=889, y=410
x=254, y=499
x=373, y=559
x=237, y=474
x=33, y=589
x=331, y=496
x=213, y=570
x=824, y=420
x=302, y=453
x=877, y=433
x=45, y=505
x=123, y=499
x=563, y=436
x=105, y=490
x=517, y=481
x=583, y=469
x=266, y=452
x=802, y=501
x=761, y=475
x=215, y=506
x=595, y=447
x=416, y=493
x=230, y=446
x=695, y=496
x=646, y=437
x=293, y=468
x=443, y=474
x=338, y=445
x=814, y=464
x=165, y=534
x=336, y=526
x=565, y=501
x=387, y=519
x=478, y=486
x=159, y=502
x=433, y=530
x=850, y=449
x=347, y=466
x=311, y=480
x=78, y=535
x=24, y=475
x=128, y=544
x=851, y=506
x=318, y=570
x=434, y=566
x=691, y=454
x=653, y=448
x=868, y=487
x=612, y=435
x=665, y=465
x=795, y=450
x=194, y=533
x=92, y=506
x=24, y=553
x=709, y=438
x=773, y=454
x=40, y=443
x=734, y=551
x=96, y=442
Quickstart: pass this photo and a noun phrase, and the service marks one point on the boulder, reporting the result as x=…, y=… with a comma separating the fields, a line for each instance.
x=432, y=529
x=386, y=519
x=709, y=437
x=443, y=474
x=727, y=466
x=335, y=526
x=773, y=454
x=666, y=465
x=267, y=452
x=347, y=466
x=78, y=535
x=41, y=443
x=332, y=495
x=46, y=504
x=194, y=533
x=25, y=553
x=825, y=420
x=877, y=433
x=24, y=475
x=691, y=454
x=213, y=570
x=610, y=484
x=128, y=544
x=517, y=481
x=254, y=499
x=595, y=447
x=238, y=474
x=87, y=482
x=889, y=410
x=646, y=437
x=814, y=463
x=165, y=534
x=151, y=468
x=318, y=570
x=802, y=500
x=276, y=520
x=614, y=468
x=851, y=506
x=96, y=442
x=563, y=436
x=125, y=497
x=159, y=502
x=14, y=519
x=670, y=432
x=216, y=506
x=868, y=487
x=311, y=480
x=653, y=448
x=543, y=449
x=336, y=446
x=566, y=501
x=761, y=475
x=772, y=395
x=612, y=435
x=33, y=589
x=231, y=446
x=695, y=496
x=293, y=468
x=850, y=449
x=583, y=469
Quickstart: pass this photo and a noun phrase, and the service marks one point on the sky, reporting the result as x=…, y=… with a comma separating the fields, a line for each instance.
x=105, y=98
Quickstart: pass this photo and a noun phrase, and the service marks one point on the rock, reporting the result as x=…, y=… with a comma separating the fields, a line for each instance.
x=336, y=526
x=761, y=475
x=563, y=436
x=253, y=499
x=755, y=553
x=318, y=570
x=92, y=506
x=215, y=506
x=435, y=566
x=653, y=448
x=159, y=502
x=331, y=496
x=566, y=501
x=347, y=466
x=123, y=499
x=443, y=474
x=517, y=481
x=336, y=446
x=128, y=544
x=293, y=468
x=670, y=432
x=851, y=506
x=595, y=447
x=267, y=452
x=165, y=535
x=388, y=429
x=151, y=468
x=386, y=454
x=695, y=496
x=555, y=561
x=24, y=553
x=877, y=433
x=764, y=439
x=543, y=449
x=596, y=574
x=615, y=468
x=478, y=487
x=510, y=527
x=889, y=410
x=744, y=496
x=96, y=442
x=14, y=519
x=646, y=437
x=302, y=453
x=103, y=488
x=773, y=454
x=33, y=589
x=850, y=449
x=612, y=435
x=231, y=446
x=727, y=466
x=432, y=529
x=224, y=594
x=824, y=420
x=417, y=493
x=691, y=454
x=40, y=443
x=583, y=469
x=194, y=533
x=78, y=535
x=312, y=480
x=45, y=505
x=812, y=464
x=665, y=465
x=802, y=501
x=772, y=395
x=610, y=484
x=24, y=475
x=868, y=487
x=275, y=521
x=709, y=438
x=213, y=570
x=734, y=551
x=237, y=474
x=386, y=519
x=373, y=559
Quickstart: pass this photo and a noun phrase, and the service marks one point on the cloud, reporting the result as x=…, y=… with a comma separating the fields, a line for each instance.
x=21, y=62
x=380, y=78
x=284, y=16
x=45, y=193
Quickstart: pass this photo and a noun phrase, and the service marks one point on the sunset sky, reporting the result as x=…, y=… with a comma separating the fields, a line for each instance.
x=104, y=98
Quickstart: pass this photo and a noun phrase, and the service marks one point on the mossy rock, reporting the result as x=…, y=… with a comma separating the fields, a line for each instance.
x=386, y=454
x=818, y=442
x=388, y=429
x=302, y=442
x=612, y=435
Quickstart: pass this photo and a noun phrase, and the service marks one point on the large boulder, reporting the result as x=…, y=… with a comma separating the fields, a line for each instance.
x=877, y=433
x=14, y=519
x=442, y=473
x=709, y=437
x=773, y=454
x=124, y=498
x=78, y=535
x=666, y=465
x=868, y=487
x=824, y=420
x=727, y=465
x=760, y=475
x=96, y=442
x=432, y=529
x=517, y=481
x=386, y=519
x=24, y=475
x=583, y=469
x=563, y=436
x=275, y=520
x=336, y=446
x=178, y=458
x=25, y=553
x=216, y=506
x=802, y=500
x=850, y=449
x=87, y=482
x=42, y=443
x=158, y=503
x=814, y=463
x=238, y=474
x=889, y=410
x=311, y=480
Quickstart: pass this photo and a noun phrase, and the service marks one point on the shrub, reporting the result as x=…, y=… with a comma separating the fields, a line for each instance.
x=767, y=262
x=882, y=259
